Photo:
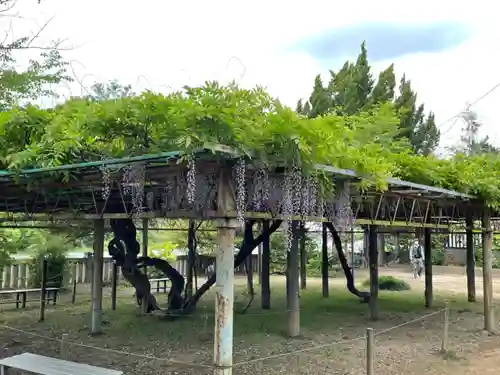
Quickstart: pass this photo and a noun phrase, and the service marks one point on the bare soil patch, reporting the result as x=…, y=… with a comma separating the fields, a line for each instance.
x=332, y=340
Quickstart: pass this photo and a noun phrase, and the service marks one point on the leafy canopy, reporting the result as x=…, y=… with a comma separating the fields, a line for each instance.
x=250, y=121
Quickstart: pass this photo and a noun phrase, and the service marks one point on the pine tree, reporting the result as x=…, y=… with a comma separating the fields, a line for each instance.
x=320, y=99
x=385, y=86
x=362, y=80
x=426, y=136
x=352, y=89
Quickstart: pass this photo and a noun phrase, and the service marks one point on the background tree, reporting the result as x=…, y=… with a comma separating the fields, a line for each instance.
x=109, y=90
x=470, y=141
x=352, y=90
x=20, y=86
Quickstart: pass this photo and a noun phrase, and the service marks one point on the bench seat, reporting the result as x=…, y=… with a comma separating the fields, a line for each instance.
x=14, y=291
x=38, y=364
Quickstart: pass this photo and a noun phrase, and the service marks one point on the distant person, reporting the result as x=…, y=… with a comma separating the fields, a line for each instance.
x=417, y=258
x=210, y=269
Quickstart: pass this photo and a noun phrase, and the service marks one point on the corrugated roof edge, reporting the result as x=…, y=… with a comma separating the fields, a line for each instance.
x=226, y=150
x=395, y=181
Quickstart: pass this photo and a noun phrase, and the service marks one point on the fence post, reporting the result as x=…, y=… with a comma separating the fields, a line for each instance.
x=114, y=280
x=369, y=351
x=446, y=322
x=43, y=290
x=63, y=350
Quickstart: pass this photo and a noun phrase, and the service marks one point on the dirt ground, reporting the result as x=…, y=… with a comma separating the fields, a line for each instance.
x=331, y=342
x=487, y=359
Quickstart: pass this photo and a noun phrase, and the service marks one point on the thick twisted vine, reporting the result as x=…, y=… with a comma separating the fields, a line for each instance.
x=246, y=249
x=365, y=296
x=124, y=249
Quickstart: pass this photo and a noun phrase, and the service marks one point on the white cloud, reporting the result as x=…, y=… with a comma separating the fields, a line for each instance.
x=158, y=44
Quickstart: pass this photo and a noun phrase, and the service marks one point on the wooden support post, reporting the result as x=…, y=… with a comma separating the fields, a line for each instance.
x=471, y=262
x=366, y=241
x=249, y=272
x=259, y=259
x=145, y=242
x=73, y=282
x=265, y=286
x=303, y=257
x=489, y=322
x=293, y=305
x=89, y=269
x=353, y=245
x=259, y=264
x=381, y=248
x=428, y=267
x=397, y=247
x=373, y=264
x=191, y=258
x=96, y=326
x=145, y=238
x=43, y=289
x=114, y=282
x=324, y=261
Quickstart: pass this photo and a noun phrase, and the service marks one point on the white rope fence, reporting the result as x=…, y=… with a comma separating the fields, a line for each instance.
x=369, y=339
x=66, y=343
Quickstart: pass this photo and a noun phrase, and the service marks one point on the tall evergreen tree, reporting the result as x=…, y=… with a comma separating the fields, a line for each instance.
x=362, y=80
x=384, y=89
x=352, y=89
x=320, y=99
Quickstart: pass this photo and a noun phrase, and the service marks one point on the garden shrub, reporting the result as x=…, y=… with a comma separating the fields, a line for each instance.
x=54, y=251
x=390, y=283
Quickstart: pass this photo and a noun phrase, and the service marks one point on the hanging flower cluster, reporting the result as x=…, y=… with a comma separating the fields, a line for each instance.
x=260, y=189
x=134, y=177
x=344, y=216
x=191, y=179
x=241, y=199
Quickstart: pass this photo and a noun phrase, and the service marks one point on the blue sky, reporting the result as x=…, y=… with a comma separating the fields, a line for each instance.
x=446, y=48
x=385, y=40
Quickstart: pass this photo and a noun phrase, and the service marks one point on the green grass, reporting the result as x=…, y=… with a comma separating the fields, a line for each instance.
x=341, y=310
x=257, y=333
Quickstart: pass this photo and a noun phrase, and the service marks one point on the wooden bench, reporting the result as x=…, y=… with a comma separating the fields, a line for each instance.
x=38, y=364
x=158, y=281
x=22, y=295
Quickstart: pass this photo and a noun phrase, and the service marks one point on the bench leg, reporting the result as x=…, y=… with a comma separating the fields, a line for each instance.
x=3, y=370
x=157, y=287
x=165, y=286
x=54, y=300
x=18, y=300
x=24, y=300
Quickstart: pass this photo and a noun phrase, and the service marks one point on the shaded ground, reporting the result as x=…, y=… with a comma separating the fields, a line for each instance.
x=408, y=349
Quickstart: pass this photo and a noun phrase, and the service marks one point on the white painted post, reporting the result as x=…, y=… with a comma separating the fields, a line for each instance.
x=224, y=271
x=224, y=299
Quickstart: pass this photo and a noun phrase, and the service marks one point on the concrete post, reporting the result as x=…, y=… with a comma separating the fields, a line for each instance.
x=224, y=298
x=489, y=320
x=97, y=276
x=224, y=273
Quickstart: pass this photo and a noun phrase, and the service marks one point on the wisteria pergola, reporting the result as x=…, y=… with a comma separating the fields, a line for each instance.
x=223, y=187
